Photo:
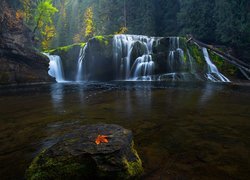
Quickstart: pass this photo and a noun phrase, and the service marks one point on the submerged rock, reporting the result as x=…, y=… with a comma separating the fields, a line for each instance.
x=77, y=156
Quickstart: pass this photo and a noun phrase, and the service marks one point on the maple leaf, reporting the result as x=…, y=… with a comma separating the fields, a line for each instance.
x=101, y=139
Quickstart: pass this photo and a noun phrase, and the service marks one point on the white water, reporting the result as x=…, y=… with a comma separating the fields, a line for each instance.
x=143, y=66
x=79, y=75
x=175, y=56
x=213, y=73
x=55, y=67
x=123, y=47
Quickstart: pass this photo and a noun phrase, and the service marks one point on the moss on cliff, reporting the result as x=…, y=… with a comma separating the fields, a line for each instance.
x=222, y=65
x=65, y=48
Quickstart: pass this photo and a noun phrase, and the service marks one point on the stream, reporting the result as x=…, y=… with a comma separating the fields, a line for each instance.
x=181, y=130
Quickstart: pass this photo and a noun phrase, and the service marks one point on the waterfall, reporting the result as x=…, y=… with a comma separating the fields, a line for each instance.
x=55, y=67
x=143, y=67
x=213, y=73
x=81, y=57
x=175, y=56
x=124, y=45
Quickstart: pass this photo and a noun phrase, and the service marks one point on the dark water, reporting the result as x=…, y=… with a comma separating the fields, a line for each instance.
x=181, y=131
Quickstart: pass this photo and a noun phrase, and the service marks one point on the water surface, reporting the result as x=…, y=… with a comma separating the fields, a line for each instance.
x=181, y=130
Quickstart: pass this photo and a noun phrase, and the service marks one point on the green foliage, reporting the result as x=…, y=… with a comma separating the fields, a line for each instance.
x=89, y=27
x=196, y=17
x=213, y=21
x=43, y=14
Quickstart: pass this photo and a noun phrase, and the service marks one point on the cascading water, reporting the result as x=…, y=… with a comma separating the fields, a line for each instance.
x=177, y=67
x=143, y=67
x=141, y=58
x=79, y=75
x=55, y=67
x=123, y=49
x=213, y=73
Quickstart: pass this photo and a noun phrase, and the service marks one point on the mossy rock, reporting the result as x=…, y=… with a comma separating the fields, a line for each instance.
x=224, y=67
x=77, y=156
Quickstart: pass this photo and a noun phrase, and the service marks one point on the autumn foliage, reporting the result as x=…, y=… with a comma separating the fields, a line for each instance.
x=101, y=139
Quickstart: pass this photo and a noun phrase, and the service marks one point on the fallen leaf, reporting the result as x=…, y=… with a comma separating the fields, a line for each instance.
x=101, y=139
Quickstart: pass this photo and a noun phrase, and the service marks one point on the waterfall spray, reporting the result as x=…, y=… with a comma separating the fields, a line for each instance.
x=55, y=67
x=81, y=57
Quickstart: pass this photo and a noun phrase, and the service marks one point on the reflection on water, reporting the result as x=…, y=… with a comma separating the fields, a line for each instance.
x=181, y=130
x=57, y=95
x=207, y=93
x=143, y=97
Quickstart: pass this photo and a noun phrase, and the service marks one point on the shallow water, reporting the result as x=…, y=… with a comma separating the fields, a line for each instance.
x=181, y=130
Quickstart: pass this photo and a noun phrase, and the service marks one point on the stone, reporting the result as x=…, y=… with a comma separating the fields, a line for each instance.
x=20, y=62
x=77, y=156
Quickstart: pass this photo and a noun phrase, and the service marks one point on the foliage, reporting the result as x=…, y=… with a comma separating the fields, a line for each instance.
x=122, y=30
x=27, y=10
x=48, y=34
x=43, y=14
x=89, y=27
x=213, y=21
x=77, y=38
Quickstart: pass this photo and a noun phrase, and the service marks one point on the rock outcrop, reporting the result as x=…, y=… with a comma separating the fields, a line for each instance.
x=20, y=63
x=78, y=156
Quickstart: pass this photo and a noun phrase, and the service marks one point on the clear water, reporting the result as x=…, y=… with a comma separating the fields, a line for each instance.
x=181, y=130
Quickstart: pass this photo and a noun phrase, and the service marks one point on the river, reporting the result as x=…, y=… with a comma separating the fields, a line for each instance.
x=181, y=130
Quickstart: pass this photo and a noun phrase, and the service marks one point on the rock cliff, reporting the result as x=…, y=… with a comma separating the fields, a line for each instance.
x=20, y=62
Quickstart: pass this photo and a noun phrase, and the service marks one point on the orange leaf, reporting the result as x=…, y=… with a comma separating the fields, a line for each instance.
x=101, y=139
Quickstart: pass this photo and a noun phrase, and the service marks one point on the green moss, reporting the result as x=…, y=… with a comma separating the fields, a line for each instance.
x=102, y=39
x=196, y=53
x=65, y=48
x=222, y=65
x=134, y=168
x=62, y=167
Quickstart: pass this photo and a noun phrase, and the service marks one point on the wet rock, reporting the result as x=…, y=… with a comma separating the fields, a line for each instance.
x=138, y=49
x=99, y=59
x=69, y=56
x=77, y=156
x=20, y=63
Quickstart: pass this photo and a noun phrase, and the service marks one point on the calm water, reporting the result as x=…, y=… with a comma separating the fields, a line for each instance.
x=181, y=131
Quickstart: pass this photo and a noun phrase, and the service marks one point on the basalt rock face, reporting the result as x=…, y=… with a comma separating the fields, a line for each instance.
x=69, y=56
x=99, y=63
x=19, y=63
x=77, y=156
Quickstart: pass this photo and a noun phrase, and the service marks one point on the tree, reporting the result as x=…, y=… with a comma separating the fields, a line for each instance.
x=48, y=33
x=197, y=17
x=122, y=30
x=89, y=27
x=27, y=10
x=43, y=14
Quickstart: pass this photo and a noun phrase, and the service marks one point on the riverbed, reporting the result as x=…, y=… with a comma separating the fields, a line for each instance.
x=181, y=130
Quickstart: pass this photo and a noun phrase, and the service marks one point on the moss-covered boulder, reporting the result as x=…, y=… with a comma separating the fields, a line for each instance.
x=77, y=156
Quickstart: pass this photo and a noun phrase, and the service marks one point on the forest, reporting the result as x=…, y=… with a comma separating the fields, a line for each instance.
x=63, y=22
x=124, y=89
